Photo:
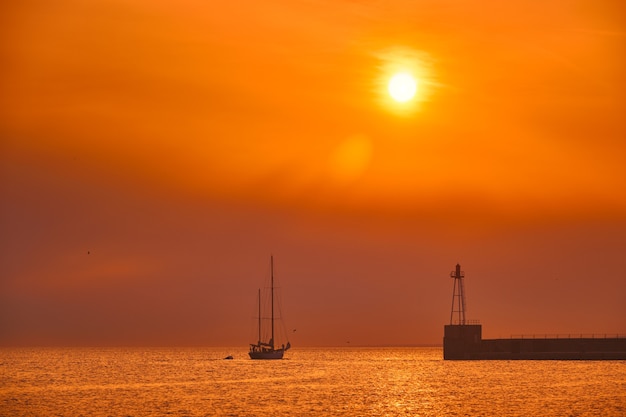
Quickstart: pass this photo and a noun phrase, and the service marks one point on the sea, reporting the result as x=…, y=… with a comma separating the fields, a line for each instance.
x=394, y=381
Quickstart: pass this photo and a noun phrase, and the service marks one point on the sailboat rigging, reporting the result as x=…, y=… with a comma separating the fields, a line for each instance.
x=267, y=350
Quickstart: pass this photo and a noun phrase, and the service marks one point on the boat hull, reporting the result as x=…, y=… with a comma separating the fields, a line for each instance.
x=275, y=354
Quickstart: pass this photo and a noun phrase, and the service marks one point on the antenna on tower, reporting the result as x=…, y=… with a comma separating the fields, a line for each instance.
x=458, y=296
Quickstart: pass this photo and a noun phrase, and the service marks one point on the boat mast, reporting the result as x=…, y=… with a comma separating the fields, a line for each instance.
x=272, y=274
x=259, y=316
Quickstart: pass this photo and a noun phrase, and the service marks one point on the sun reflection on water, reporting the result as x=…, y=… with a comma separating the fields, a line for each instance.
x=311, y=381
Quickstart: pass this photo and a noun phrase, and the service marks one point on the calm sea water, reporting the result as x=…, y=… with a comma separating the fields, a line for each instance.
x=309, y=382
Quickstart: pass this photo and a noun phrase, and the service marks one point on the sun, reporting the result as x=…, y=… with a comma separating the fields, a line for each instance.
x=404, y=81
x=402, y=87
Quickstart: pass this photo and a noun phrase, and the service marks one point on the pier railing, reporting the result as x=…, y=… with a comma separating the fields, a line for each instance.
x=570, y=336
x=457, y=323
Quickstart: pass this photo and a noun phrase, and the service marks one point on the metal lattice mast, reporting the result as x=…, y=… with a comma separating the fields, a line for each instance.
x=458, y=296
x=272, y=275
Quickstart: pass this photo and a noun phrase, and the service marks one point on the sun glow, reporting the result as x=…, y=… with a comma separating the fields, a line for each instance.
x=350, y=159
x=405, y=80
x=402, y=87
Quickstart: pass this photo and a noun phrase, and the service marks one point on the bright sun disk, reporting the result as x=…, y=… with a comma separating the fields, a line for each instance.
x=402, y=87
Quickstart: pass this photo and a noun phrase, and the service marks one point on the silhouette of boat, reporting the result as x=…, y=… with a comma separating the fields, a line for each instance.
x=267, y=350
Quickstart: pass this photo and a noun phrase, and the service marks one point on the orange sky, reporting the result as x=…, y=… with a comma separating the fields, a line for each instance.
x=181, y=143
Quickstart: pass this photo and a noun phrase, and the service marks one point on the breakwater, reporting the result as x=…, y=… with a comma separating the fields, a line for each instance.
x=465, y=342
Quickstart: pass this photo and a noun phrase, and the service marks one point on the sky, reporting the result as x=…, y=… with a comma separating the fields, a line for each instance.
x=154, y=154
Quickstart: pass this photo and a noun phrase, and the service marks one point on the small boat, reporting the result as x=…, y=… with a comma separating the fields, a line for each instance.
x=267, y=350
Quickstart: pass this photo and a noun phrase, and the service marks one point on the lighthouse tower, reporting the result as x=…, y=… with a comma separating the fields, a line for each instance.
x=458, y=296
x=460, y=338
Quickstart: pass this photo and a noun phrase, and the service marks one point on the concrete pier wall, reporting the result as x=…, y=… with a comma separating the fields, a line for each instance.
x=464, y=342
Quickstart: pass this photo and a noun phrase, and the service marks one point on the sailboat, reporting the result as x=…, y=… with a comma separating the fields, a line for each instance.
x=267, y=350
